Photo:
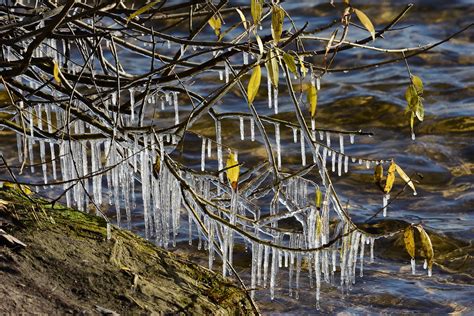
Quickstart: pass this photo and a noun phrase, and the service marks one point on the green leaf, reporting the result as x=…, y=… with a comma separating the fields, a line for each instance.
x=312, y=98
x=256, y=10
x=142, y=10
x=416, y=81
x=278, y=15
x=290, y=62
x=272, y=67
x=364, y=19
x=254, y=84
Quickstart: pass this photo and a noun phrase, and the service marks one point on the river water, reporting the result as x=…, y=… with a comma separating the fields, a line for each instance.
x=373, y=100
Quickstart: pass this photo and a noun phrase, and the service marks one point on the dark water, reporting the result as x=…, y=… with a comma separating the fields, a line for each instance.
x=373, y=100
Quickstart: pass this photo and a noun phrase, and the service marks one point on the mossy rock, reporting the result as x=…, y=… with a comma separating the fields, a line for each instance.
x=69, y=266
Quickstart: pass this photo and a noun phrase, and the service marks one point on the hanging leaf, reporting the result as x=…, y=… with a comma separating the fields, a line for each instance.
x=364, y=19
x=312, y=98
x=412, y=97
x=272, y=68
x=390, y=178
x=290, y=62
x=418, y=84
x=142, y=10
x=319, y=225
x=242, y=17
x=303, y=68
x=233, y=170
x=278, y=15
x=216, y=24
x=409, y=239
x=156, y=167
x=319, y=198
x=426, y=246
x=260, y=45
x=420, y=111
x=256, y=7
x=254, y=84
x=378, y=173
x=56, y=72
x=405, y=178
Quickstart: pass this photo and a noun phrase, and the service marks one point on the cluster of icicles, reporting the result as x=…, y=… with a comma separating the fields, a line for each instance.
x=121, y=173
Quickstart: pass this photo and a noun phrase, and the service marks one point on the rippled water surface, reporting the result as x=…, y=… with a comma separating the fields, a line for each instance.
x=443, y=152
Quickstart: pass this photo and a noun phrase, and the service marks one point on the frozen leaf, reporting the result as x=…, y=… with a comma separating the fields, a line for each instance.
x=260, y=44
x=254, y=84
x=378, y=173
x=390, y=178
x=303, y=68
x=216, y=24
x=319, y=198
x=142, y=10
x=56, y=72
x=290, y=62
x=405, y=178
x=364, y=19
x=233, y=170
x=272, y=68
x=256, y=10
x=409, y=239
x=242, y=17
x=278, y=15
x=426, y=246
x=156, y=167
x=312, y=98
x=420, y=111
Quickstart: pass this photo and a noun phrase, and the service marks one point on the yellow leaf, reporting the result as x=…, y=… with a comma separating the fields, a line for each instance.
x=278, y=15
x=256, y=10
x=233, y=170
x=272, y=68
x=319, y=224
x=260, y=44
x=319, y=198
x=290, y=62
x=254, y=84
x=303, y=69
x=242, y=17
x=56, y=72
x=378, y=173
x=390, y=178
x=216, y=24
x=157, y=167
x=405, y=178
x=426, y=246
x=142, y=10
x=364, y=19
x=24, y=188
x=409, y=239
x=312, y=98
x=418, y=84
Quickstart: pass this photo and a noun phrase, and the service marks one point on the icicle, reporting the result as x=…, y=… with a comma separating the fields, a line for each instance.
x=413, y=136
x=341, y=143
x=386, y=197
x=430, y=272
x=221, y=75
x=245, y=57
x=181, y=49
x=252, y=129
x=132, y=105
x=265, y=265
x=259, y=263
x=226, y=72
x=303, y=150
x=321, y=135
x=273, y=273
x=242, y=132
x=339, y=165
x=334, y=261
x=413, y=266
x=351, y=136
x=362, y=248
x=269, y=89
x=425, y=264
x=346, y=164
x=333, y=167
x=367, y=164
x=277, y=139
x=328, y=139
x=220, y=164
x=203, y=154
x=253, y=273
x=209, y=148
x=372, y=241
x=176, y=109
x=275, y=99
x=295, y=135
x=41, y=143
x=168, y=44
